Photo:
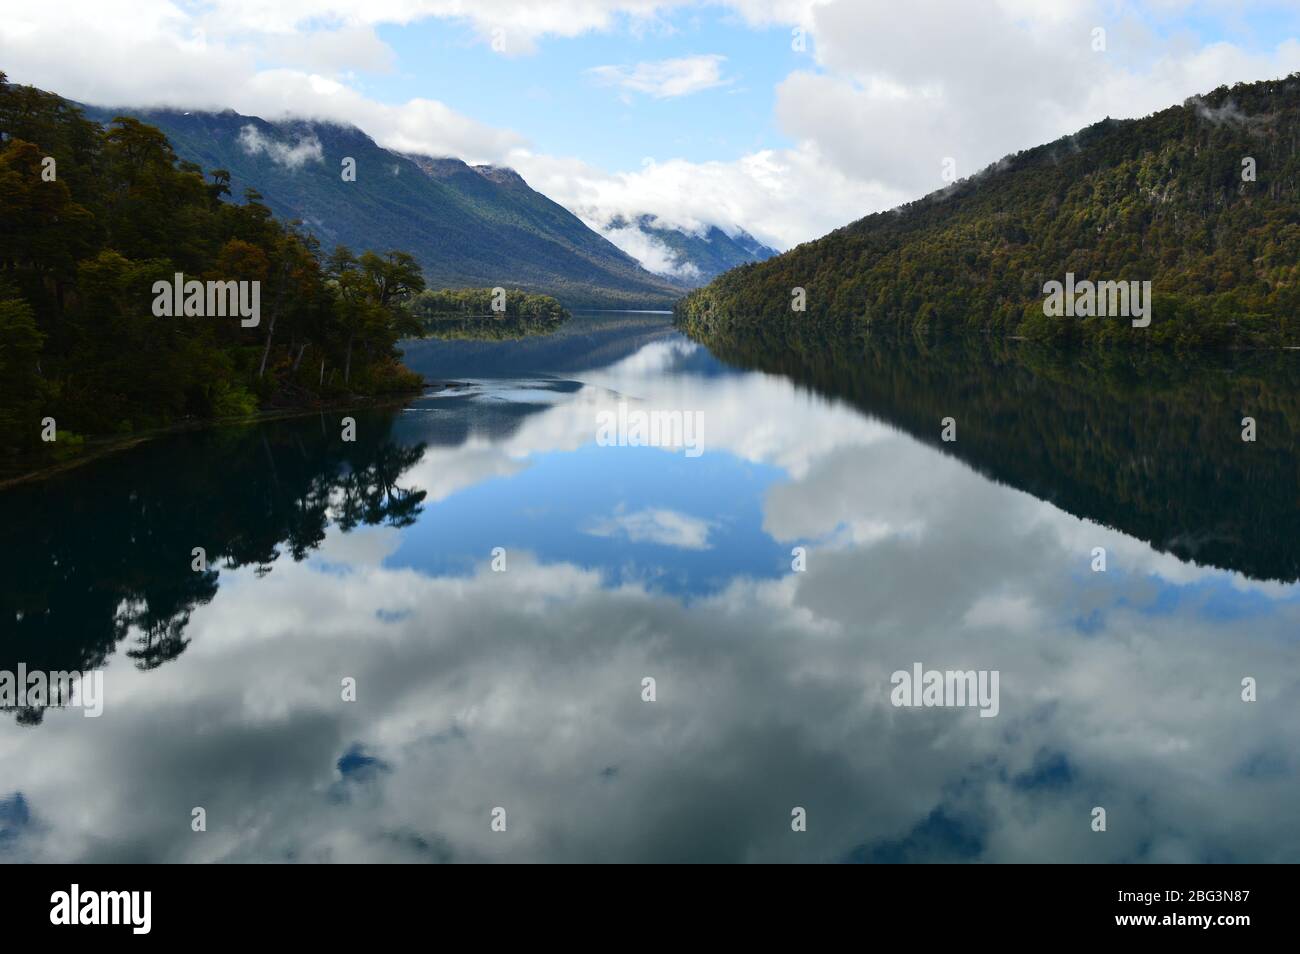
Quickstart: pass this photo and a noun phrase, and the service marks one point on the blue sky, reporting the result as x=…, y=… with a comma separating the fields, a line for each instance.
x=1253, y=26
x=531, y=512
x=551, y=96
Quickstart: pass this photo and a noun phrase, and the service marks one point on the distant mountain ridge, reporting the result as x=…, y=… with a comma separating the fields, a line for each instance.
x=692, y=258
x=465, y=225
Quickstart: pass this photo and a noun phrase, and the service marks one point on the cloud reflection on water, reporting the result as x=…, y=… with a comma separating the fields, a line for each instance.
x=521, y=689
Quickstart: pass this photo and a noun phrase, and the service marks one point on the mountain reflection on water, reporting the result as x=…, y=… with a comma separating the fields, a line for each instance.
x=522, y=689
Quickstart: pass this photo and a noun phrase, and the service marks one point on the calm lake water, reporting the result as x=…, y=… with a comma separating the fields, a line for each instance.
x=522, y=687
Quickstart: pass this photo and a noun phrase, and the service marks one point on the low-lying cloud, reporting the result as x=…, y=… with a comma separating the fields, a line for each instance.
x=291, y=156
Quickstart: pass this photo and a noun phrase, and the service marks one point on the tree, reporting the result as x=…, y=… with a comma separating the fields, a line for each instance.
x=373, y=291
x=21, y=386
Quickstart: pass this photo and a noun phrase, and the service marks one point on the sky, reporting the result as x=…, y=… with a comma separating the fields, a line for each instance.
x=787, y=118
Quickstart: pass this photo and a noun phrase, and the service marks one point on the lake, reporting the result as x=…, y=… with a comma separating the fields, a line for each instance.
x=484, y=630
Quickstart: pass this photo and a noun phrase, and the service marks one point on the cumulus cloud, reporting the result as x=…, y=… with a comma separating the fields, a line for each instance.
x=896, y=92
x=331, y=51
x=665, y=79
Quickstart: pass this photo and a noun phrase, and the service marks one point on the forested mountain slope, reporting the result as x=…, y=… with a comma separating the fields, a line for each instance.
x=1202, y=200
x=465, y=225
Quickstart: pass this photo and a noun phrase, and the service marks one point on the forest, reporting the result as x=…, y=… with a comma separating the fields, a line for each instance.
x=457, y=303
x=92, y=216
x=486, y=314
x=1202, y=200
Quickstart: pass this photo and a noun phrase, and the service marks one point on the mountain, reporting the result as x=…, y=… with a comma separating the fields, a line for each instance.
x=465, y=225
x=1199, y=199
x=688, y=258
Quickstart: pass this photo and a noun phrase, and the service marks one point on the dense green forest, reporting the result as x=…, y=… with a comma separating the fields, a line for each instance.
x=486, y=313
x=454, y=303
x=1202, y=199
x=469, y=313
x=86, y=233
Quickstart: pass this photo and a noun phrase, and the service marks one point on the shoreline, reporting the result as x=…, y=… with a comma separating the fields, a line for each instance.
x=101, y=447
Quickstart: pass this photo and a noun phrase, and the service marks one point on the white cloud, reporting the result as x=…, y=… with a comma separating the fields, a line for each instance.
x=665, y=527
x=781, y=196
x=153, y=54
x=307, y=149
x=665, y=79
x=332, y=52
x=898, y=91
x=652, y=253
x=516, y=25
x=418, y=125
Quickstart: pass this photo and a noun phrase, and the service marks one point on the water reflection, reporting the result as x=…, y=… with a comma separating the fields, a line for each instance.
x=522, y=689
x=1148, y=442
x=117, y=538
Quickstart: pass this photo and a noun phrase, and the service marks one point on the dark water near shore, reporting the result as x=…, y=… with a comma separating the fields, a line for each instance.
x=522, y=689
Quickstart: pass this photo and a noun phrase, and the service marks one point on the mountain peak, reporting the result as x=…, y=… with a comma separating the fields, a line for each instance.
x=501, y=175
x=687, y=256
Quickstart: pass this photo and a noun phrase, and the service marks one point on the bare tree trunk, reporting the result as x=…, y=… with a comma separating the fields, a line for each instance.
x=322, y=373
x=298, y=360
x=270, y=333
x=275, y=313
x=347, y=366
